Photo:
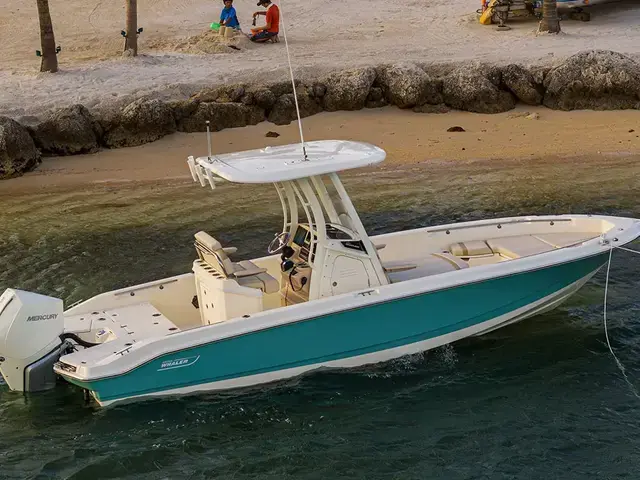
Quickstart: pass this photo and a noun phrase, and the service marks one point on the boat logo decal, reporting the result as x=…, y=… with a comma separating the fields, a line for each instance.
x=37, y=318
x=178, y=363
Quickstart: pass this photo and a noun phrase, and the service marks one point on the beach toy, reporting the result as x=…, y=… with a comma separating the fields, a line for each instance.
x=215, y=26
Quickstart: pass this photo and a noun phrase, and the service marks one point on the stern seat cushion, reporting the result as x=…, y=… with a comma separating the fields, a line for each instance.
x=471, y=248
x=519, y=246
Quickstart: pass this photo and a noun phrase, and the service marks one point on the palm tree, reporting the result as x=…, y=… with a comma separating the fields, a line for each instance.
x=47, y=39
x=131, y=38
x=550, y=22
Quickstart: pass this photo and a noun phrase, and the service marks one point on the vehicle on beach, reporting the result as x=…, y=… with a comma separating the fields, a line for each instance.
x=327, y=295
x=498, y=11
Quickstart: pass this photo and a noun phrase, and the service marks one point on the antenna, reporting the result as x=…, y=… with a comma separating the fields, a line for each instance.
x=293, y=82
x=208, y=139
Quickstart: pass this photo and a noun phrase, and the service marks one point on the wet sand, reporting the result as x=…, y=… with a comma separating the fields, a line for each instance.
x=408, y=138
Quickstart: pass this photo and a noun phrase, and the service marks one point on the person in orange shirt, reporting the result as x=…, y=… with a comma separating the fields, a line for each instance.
x=272, y=26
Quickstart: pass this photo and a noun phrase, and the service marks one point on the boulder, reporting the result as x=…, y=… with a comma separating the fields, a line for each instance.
x=284, y=110
x=376, y=99
x=18, y=152
x=264, y=98
x=282, y=88
x=68, y=131
x=182, y=109
x=522, y=84
x=597, y=80
x=474, y=88
x=140, y=122
x=407, y=85
x=318, y=90
x=348, y=90
x=222, y=94
x=221, y=116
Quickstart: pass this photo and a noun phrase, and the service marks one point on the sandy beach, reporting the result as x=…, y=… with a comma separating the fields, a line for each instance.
x=322, y=36
x=408, y=138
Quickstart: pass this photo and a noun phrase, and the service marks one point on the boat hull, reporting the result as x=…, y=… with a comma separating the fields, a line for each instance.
x=376, y=333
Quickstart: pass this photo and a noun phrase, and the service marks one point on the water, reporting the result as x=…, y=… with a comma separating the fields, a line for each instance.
x=541, y=399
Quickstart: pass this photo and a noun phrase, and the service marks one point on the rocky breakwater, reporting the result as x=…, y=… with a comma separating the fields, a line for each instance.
x=598, y=80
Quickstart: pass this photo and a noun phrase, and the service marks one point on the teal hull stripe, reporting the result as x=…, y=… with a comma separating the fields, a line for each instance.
x=346, y=334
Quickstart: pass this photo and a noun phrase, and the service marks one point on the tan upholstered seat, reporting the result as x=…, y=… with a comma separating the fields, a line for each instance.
x=246, y=273
x=519, y=246
x=262, y=280
x=471, y=248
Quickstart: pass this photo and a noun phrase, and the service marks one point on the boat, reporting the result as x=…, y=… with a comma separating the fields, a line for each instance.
x=326, y=295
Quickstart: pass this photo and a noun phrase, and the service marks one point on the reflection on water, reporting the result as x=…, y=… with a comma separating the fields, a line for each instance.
x=539, y=399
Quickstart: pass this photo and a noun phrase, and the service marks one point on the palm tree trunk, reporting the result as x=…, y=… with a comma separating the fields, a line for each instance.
x=47, y=39
x=550, y=22
x=131, y=42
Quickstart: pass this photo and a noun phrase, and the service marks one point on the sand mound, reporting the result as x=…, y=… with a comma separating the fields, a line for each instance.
x=205, y=43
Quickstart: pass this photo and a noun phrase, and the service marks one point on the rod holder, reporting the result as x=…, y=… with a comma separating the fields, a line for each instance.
x=208, y=139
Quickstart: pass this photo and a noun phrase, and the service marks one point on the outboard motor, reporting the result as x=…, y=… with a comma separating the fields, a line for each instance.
x=30, y=329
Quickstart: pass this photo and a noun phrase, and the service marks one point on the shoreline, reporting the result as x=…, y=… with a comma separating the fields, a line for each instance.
x=409, y=139
x=93, y=71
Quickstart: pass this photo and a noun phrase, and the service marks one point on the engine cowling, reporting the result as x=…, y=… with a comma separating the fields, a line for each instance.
x=30, y=329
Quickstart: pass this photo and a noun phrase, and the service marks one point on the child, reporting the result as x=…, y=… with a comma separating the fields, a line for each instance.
x=228, y=16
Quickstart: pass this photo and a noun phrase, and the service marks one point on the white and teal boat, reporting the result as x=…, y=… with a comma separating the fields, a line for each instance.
x=327, y=296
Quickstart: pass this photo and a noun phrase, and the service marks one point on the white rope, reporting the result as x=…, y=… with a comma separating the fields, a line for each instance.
x=293, y=82
x=606, y=332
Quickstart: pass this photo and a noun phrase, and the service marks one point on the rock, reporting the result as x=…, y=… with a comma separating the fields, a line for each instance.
x=631, y=130
x=522, y=84
x=532, y=116
x=272, y=134
x=183, y=109
x=539, y=73
x=376, y=103
x=221, y=116
x=375, y=94
x=376, y=99
x=597, y=80
x=407, y=85
x=68, y=131
x=426, y=108
x=319, y=90
x=18, y=152
x=264, y=98
x=456, y=129
x=473, y=88
x=140, y=122
x=284, y=110
x=247, y=99
x=282, y=88
x=223, y=94
x=348, y=90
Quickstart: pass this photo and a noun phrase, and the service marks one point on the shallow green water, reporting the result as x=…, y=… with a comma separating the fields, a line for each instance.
x=542, y=399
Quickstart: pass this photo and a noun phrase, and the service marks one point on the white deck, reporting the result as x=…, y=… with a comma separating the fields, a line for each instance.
x=132, y=323
x=279, y=164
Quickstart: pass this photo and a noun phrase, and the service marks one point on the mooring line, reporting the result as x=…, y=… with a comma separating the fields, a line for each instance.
x=606, y=332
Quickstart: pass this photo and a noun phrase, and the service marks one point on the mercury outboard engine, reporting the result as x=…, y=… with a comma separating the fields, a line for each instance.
x=30, y=329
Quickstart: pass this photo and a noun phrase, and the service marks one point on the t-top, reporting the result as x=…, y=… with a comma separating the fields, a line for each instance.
x=230, y=14
x=273, y=18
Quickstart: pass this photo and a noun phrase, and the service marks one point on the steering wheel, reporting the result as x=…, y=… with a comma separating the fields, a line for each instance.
x=278, y=243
